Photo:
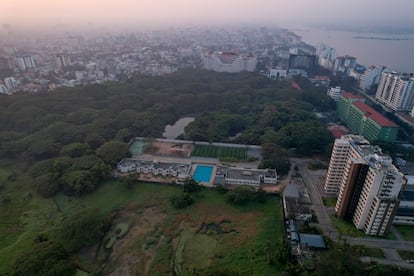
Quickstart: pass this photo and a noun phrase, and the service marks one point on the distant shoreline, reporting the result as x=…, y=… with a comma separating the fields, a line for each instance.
x=381, y=38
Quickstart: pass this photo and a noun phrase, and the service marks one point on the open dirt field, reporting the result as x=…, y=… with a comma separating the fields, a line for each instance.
x=169, y=149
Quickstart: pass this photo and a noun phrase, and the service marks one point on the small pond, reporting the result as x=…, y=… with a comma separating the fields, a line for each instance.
x=172, y=131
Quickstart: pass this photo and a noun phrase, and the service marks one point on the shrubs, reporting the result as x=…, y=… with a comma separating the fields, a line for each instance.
x=182, y=200
x=185, y=199
x=244, y=195
x=44, y=258
x=82, y=228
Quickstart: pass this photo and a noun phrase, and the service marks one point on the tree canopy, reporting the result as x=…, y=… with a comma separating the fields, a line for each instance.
x=244, y=108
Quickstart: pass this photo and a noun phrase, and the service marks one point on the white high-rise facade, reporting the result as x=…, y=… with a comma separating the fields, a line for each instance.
x=326, y=56
x=370, y=77
x=396, y=91
x=25, y=62
x=230, y=62
x=366, y=182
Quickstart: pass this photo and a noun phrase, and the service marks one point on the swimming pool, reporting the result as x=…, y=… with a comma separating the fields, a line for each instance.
x=203, y=173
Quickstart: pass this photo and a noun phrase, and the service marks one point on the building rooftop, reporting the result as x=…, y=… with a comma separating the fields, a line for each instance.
x=338, y=131
x=312, y=240
x=369, y=112
x=244, y=174
x=348, y=95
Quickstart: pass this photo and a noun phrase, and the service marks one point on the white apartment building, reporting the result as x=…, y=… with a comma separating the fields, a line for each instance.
x=326, y=56
x=369, y=184
x=334, y=92
x=10, y=83
x=3, y=89
x=277, y=73
x=250, y=177
x=62, y=61
x=25, y=62
x=229, y=62
x=396, y=91
x=340, y=154
x=370, y=77
x=405, y=212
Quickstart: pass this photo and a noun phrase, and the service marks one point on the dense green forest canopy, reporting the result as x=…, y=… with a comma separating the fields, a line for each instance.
x=72, y=121
x=75, y=131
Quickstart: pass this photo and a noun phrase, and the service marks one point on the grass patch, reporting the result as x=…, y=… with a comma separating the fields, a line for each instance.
x=375, y=252
x=406, y=255
x=346, y=228
x=329, y=201
x=223, y=153
x=112, y=195
x=406, y=231
x=316, y=165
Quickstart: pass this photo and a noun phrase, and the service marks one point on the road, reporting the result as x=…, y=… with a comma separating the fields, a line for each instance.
x=401, y=264
x=389, y=247
x=318, y=207
x=382, y=243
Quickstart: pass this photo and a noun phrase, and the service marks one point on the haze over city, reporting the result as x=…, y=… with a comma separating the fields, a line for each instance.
x=146, y=12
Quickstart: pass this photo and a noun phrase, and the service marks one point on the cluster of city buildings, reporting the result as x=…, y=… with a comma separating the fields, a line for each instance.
x=371, y=191
x=43, y=62
x=394, y=90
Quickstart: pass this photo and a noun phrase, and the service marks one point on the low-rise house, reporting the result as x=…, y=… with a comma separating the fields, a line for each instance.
x=126, y=165
x=250, y=177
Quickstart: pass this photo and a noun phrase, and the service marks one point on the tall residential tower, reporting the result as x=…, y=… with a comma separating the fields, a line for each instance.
x=368, y=185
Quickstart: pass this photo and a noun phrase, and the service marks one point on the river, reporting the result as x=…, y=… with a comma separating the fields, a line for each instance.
x=395, y=54
x=172, y=131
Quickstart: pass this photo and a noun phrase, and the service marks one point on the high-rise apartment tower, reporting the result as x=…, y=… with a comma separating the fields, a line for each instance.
x=368, y=185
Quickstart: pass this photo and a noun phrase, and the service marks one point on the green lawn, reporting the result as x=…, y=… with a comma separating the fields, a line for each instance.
x=406, y=255
x=374, y=252
x=220, y=152
x=347, y=228
x=406, y=231
x=329, y=201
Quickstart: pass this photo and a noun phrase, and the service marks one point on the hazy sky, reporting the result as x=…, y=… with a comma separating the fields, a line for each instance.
x=207, y=11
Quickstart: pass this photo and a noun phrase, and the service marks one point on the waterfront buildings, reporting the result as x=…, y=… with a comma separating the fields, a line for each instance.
x=326, y=56
x=396, y=91
x=370, y=77
x=344, y=64
x=366, y=182
x=230, y=62
x=301, y=63
x=363, y=119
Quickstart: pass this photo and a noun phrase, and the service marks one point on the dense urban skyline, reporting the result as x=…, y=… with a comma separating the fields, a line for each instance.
x=163, y=12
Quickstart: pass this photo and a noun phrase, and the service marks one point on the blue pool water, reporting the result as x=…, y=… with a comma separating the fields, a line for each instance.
x=203, y=173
